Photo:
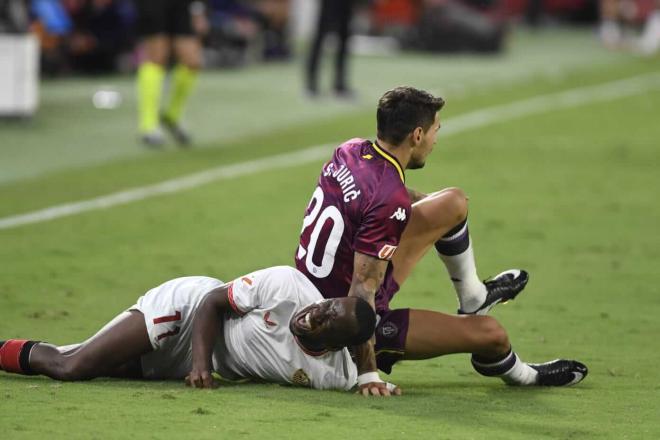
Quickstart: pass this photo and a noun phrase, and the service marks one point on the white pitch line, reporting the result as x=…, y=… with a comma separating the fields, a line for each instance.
x=555, y=101
x=459, y=124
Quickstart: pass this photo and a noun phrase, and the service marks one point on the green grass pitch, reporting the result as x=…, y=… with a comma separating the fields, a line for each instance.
x=570, y=194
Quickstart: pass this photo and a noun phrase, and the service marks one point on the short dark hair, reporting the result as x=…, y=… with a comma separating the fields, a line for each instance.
x=403, y=109
x=366, y=320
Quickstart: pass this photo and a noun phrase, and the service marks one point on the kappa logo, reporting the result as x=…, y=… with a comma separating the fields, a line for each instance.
x=386, y=252
x=399, y=214
x=247, y=281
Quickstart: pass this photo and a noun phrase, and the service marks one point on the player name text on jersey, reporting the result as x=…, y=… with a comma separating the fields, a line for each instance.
x=344, y=179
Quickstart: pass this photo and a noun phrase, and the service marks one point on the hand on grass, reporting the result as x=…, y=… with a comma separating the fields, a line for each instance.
x=201, y=378
x=381, y=389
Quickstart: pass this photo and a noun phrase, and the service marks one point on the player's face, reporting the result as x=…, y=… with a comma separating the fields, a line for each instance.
x=424, y=148
x=317, y=324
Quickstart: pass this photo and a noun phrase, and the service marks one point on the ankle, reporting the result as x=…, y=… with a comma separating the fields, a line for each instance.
x=15, y=356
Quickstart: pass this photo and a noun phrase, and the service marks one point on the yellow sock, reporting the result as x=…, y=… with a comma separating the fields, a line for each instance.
x=150, y=77
x=183, y=82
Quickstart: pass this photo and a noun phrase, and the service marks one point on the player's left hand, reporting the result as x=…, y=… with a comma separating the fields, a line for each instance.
x=370, y=384
x=382, y=389
x=201, y=379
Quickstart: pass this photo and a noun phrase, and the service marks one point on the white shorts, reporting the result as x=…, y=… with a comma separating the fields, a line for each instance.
x=168, y=312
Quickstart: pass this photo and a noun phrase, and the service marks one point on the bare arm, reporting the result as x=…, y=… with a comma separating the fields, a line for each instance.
x=415, y=196
x=368, y=275
x=206, y=323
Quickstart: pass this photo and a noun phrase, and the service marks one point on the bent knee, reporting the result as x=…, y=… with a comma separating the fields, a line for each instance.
x=456, y=203
x=497, y=337
x=492, y=335
x=446, y=208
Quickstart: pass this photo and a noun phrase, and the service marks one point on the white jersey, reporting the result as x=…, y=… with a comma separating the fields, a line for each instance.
x=169, y=310
x=256, y=342
x=258, y=339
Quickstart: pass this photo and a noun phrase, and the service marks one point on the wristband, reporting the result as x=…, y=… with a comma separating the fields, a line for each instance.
x=366, y=378
x=390, y=387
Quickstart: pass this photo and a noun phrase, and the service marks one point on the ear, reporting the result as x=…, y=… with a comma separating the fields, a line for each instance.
x=417, y=135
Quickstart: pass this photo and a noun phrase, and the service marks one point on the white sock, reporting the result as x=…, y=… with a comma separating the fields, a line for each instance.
x=511, y=369
x=462, y=270
x=520, y=374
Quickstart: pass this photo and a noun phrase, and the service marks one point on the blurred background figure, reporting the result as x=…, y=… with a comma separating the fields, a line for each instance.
x=246, y=30
x=334, y=18
x=274, y=16
x=98, y=35
x=51, y=25
x=82, y=36
x=612, y=12
x=621, y=19
x=168, y=26
x=458, y=26
x=649, y=43
x=19, y=68
x=13, y=17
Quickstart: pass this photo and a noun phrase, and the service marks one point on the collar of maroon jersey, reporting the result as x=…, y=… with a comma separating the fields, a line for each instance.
x=393, y=160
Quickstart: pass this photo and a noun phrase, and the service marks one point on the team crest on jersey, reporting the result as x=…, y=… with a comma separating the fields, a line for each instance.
x=389, y=330
x=399, y=214
x=300, y=378
x=386, y=252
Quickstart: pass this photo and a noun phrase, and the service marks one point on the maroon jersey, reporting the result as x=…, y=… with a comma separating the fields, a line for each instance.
x=360, y=205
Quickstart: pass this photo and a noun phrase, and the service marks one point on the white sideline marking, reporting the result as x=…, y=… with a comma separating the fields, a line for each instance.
x=459, y=124
x=555, y=101
x=169, y=186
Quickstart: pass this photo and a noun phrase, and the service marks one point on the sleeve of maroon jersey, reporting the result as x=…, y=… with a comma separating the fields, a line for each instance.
x=382, y=224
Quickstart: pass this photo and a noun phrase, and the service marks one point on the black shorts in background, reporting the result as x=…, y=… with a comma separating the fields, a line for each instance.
x=169, y=17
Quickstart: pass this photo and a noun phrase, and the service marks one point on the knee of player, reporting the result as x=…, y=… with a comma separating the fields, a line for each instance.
x=495, y=335
x=157, y=58
x=191, y=59
x=457, y=203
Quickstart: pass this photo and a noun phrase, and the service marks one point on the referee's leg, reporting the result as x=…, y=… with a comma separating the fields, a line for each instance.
x=322, y=29
x=343, y=13
x=151, y=72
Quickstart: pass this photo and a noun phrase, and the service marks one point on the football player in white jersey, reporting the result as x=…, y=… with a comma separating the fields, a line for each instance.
x=271, y=324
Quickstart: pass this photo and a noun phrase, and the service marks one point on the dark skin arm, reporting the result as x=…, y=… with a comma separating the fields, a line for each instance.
x=205, y=331
x=368, y=275
x=415, y=196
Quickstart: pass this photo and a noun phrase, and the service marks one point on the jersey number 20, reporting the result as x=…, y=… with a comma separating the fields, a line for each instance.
x=316, y=219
